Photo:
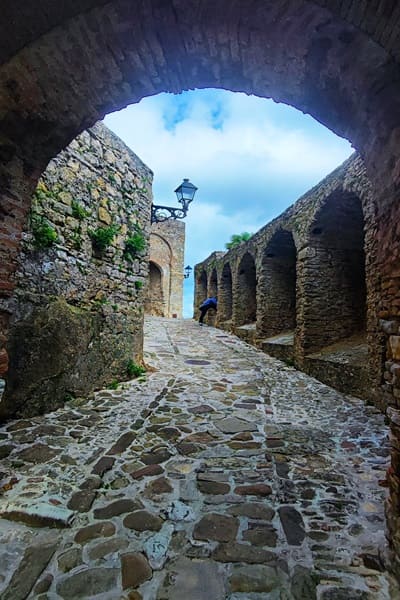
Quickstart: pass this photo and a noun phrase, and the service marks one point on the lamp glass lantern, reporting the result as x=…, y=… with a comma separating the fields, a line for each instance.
x=188, y=271
x=185, y=193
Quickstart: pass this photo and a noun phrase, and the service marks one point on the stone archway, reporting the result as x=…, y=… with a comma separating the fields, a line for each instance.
x=201, y=291
x=225, y=300
x=333, y=296
x=277, y=286
x=340, y=66
x=62, y=70
x=245, y=298
x=155, y=303
x=333, y=280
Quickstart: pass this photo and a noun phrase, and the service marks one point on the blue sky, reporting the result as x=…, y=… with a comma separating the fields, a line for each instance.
x=250, y=158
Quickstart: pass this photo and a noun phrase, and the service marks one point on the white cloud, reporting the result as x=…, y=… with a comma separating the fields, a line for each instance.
x=249, y=157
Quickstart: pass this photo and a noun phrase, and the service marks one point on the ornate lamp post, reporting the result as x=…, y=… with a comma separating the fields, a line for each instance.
x=188, y=271
x=185, y=194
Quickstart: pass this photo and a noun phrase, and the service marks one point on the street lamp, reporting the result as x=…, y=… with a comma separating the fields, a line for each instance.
x=188, y=271
x=185, y=194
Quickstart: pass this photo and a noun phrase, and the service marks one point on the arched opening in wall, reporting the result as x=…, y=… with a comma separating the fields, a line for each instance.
x=276, y=318
x=333, y=292
x=342, y=79
x=213, y=292
x=245, y=300
x=201, y=291
x=38, y=54
x=154, y=303
x=225, y=298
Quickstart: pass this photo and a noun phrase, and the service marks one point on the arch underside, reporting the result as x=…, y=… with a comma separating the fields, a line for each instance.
x=103, y=59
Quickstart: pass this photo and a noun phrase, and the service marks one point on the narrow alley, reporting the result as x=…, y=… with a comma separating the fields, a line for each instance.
x=221, y=474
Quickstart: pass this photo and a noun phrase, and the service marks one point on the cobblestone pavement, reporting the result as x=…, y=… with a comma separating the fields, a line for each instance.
x=223, y=474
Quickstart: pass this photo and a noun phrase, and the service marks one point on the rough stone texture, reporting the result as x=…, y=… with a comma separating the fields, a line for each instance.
x=71, y=301
x=335, y=59
x=70, y=559
x=104, y=529
x=334, y=450
x=165, y=286
x=219, y=528
x=34, y=561
x=142, y=520
x=253, y=578
x=308, y=275
x=135, y=570
x=87, y=583
x=238, y=553
x=198, y=580
x=292, y=524
x=119, y=507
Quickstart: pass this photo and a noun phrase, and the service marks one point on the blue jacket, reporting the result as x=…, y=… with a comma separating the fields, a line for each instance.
x=210, y=302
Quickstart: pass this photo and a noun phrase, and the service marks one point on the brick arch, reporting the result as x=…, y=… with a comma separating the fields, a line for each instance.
x=225, y=298
x=332, y=267
x=245, y=295
x=63, y=71
x=277, y=286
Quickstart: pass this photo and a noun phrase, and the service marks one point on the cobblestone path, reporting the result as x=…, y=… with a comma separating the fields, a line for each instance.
x=223, y=474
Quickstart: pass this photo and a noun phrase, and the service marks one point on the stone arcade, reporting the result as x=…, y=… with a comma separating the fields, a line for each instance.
x=303, y=288
x=63, y=68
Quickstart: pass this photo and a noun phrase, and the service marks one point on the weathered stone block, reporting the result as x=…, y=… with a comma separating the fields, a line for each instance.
x=394, y=342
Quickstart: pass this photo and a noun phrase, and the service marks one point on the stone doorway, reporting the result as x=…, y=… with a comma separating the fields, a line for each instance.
x=155, y=304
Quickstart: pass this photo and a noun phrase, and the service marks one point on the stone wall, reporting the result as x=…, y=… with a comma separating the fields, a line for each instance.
x=165, y=289
x=307, y=275
x=64, y=67
x=77, y=309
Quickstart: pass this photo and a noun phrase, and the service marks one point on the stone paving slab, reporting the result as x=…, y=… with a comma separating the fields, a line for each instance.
x=223, y=474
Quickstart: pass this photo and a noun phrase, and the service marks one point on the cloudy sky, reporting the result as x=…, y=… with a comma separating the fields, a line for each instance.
x=250, y=158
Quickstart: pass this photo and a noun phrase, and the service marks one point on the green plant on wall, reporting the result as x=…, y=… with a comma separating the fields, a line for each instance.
x=138, y=284
x=42, y=194
x=134, y=370
x=44, y=236
x=135, y=244
x=76, y=239
x=78, y=211
x=102, y=237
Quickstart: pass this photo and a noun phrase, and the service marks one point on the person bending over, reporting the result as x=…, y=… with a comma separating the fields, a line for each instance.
x=205, y=307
